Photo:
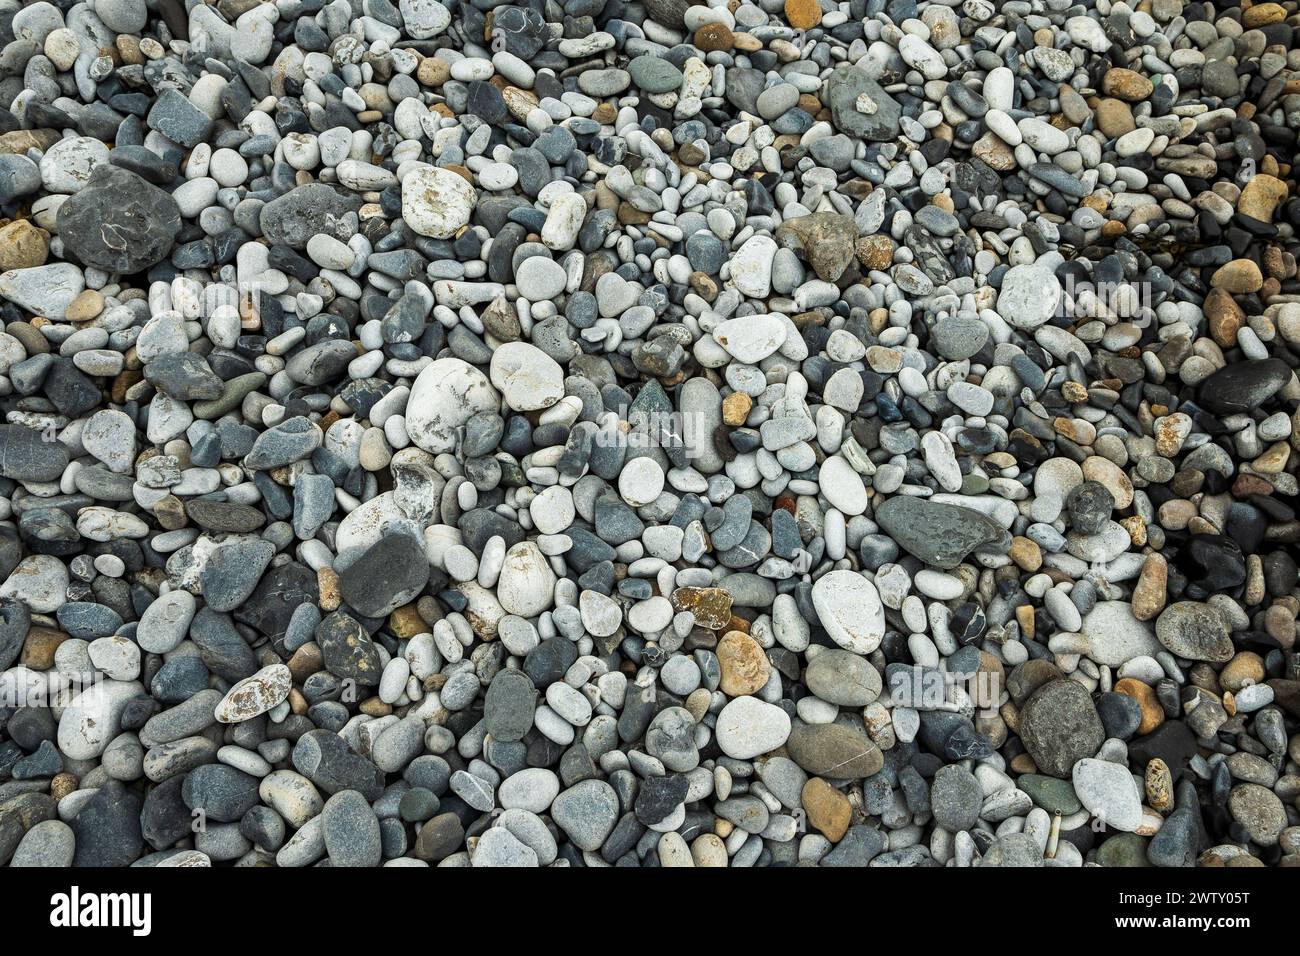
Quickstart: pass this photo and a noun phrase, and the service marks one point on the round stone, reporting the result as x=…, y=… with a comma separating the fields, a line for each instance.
x=437, y=202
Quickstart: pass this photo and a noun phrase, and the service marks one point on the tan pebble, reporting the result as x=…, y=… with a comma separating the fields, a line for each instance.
x=128, y=49
x=803, y=14
x=433, y=71
x=1023, y=763
x=1025, y=617
x=875, y=252
x=62, y=47
x=1115, y=118
x=709, y=850
x=1262, y=15
x=306, y=660
x=1261, y=196
x=405, y=622
x=697, y=703
x=85, y=306
x=1126, y=84
x=1280, y=624
x=1136, y=527
x=23, y=246
x=743, y=664
x=1026, y=553
x=1239, y=276
x=828, y=809
x=327, y=581
x=39, y=647
x=1149, y=593
x=1224, y=317
x=1274, y=459
x=62, y=784
x=1244, y=669
x=993, y=151
x=1153, y=715
x=735, y=408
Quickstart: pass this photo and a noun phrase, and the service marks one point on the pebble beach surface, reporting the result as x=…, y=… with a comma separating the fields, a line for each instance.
x=634, y=433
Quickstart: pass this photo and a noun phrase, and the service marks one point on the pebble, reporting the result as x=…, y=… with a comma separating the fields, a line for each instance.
x=1108, y=792
x=849, y=608
x=1060, y=726
x=747, y=728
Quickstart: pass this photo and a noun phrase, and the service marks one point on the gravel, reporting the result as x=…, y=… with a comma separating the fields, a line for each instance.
x=645, y=433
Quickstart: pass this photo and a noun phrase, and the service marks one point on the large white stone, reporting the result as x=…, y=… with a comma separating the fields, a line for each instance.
x=45, y=290
x=40, y=581
x=751, y=338
x=436, y=202
x=424, y=18
x=849, y=608
x=527, y=582
x=1108, y=791
x=842, y=486
x=109, y=435
x=444, y=397
x=747, y=728
x=1115, y=636
x=92, y=720
x=527, y=377
x=751, y=266
x=1029, y=296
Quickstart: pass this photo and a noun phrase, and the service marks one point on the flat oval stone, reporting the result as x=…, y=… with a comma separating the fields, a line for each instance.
x=842, y=678
x=834, y=751
x=747, y=727
x=255, y=695
x=849, y=607
x=1243, y=386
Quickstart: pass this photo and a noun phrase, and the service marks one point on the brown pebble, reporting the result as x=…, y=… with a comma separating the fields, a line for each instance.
x=1153, y=715
x=1026, y=553
x=828, y=809
x=1128, y=85
x=39, y=648
x=23, y=246
x=1224, y=317
x=735, y=408
x=1244, y=669
x=1240, y=276
x=327, y=582
x=714, y=38
x=1149, y=593
x=743, y=664
x=803, y=14
x=405, y=622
